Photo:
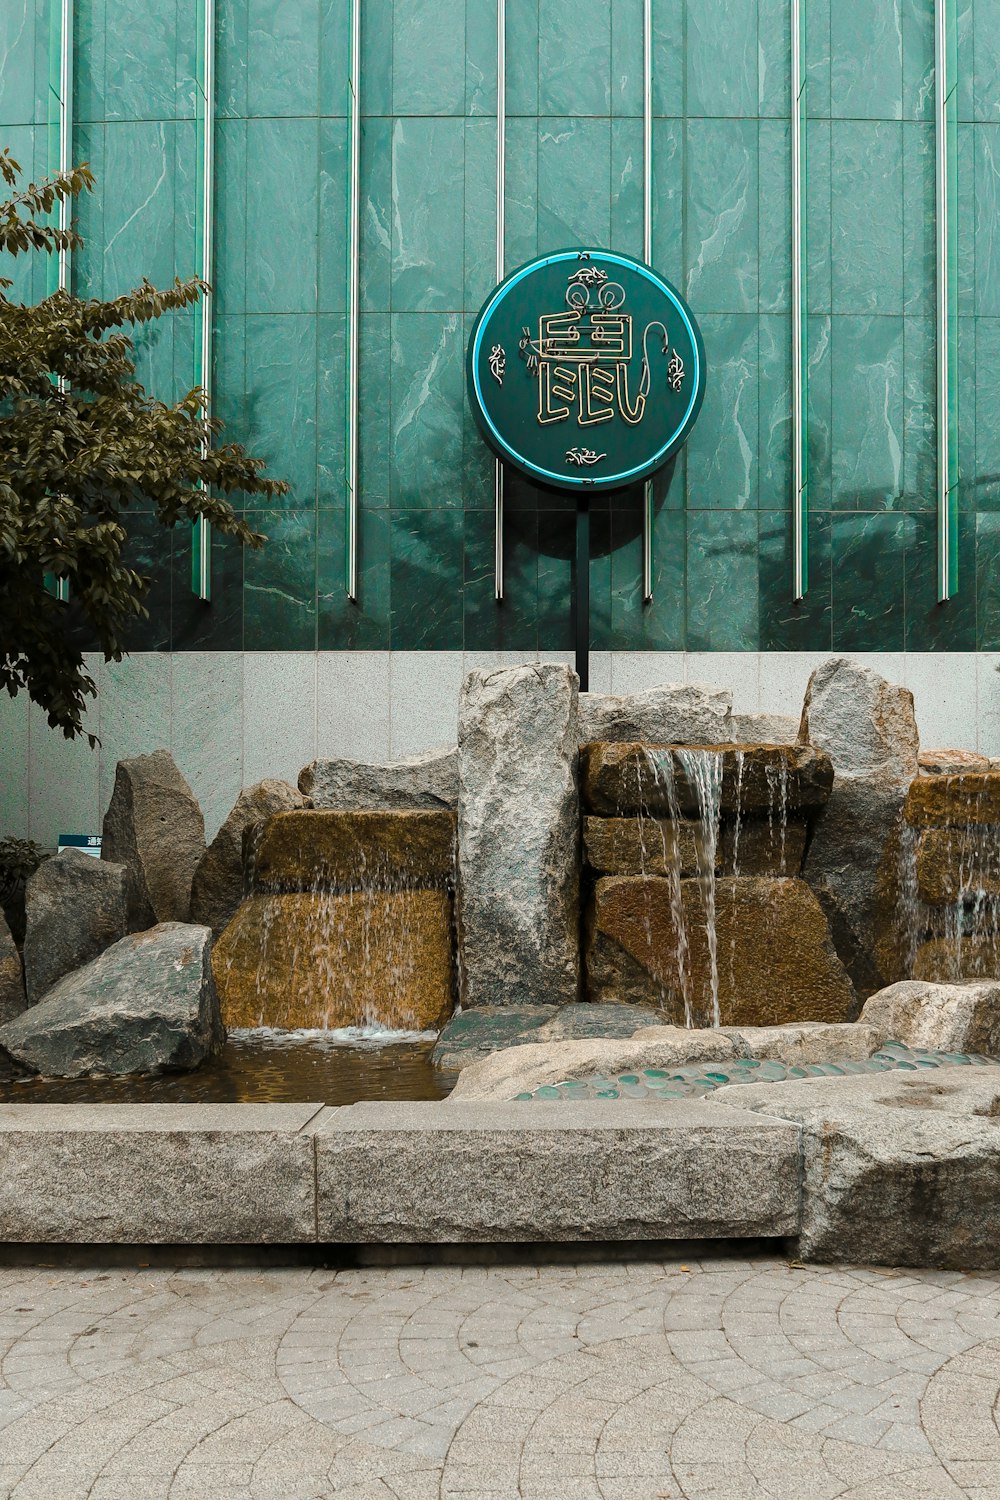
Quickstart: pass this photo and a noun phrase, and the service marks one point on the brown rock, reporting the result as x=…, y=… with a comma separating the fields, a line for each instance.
x=775, y=961
x=641, y=846
x=949, y=960
x=350, y=851
x=940, y=801
x=217, y=889
x=12, y=1000
x=951, y=762
x=752, y=846
x=154, y=827
x=956, y=863
x=623, y=779
x=331, y=960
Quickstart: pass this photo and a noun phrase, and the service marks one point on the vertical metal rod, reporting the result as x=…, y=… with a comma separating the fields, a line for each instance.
x=943, y=85
x=65, y=129
x=201, y=581
x=582, y=591
x=647, y=255
x=353, y=298
x=800, y=491
x=501, y=186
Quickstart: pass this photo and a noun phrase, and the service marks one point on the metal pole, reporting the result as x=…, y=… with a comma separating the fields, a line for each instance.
x=501, y=266
x=647, y=255
x=800, y=580
x=201, y=581
x=942, y=90
x=583, y=591
x=353, y=298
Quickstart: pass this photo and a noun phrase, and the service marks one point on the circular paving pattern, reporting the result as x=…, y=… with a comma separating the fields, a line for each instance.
x=694, y=1080
x=727, y=1379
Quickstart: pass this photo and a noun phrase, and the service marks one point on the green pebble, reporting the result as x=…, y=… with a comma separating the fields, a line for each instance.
x=927, y=1062
x=910, y=1067
x=797, y=1073
x=547, y=1091
x=523, y=1096
x=722, y=1077
x=628, y=1078
x=606, y=1094
x=655, y=1073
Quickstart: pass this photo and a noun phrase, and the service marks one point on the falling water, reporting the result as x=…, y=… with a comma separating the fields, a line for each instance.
x=702, y=772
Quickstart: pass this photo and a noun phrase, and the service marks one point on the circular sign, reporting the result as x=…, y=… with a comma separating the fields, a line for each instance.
x=586, y=369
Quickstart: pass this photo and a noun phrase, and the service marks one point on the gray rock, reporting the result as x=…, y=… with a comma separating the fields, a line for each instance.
x=810, y=1042
x=521, y=1070
x=765, y=729
x=899, y=1169
x=867, y=727
x=482, y=1173
x=157, y=1174
x=583, y=1021
x=154, y=827
x=425, y=781
x=943, y=1017
x=146, y=1005
x=75, y=906
x=474, y=1034
x=674, y=714
x=519, y=836
x=952, y=762
x=12, y=1001
x=218, y=885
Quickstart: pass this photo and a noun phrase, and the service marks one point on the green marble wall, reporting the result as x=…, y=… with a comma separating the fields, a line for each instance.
x=574, y=164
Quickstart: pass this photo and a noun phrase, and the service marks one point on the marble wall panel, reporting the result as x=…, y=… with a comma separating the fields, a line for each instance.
x=574, y=58
x=279, y=586
x=428, y=166
x=283, y=183
x=722, y=570
x=722, y=58
x=869, y=580
x=722, y=467
x=345, y=624
x=281, y=365
x=867, y=373
x=866, y=47
x=428, y=57
x=282, y=58
x=721, y=218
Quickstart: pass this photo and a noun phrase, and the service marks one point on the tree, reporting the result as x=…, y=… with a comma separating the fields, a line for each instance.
x=80, y=442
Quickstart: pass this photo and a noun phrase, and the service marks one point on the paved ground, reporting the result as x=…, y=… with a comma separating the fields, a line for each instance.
x=722, y=1379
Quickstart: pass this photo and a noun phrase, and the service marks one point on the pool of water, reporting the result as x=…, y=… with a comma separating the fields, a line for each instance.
x=266, y=1068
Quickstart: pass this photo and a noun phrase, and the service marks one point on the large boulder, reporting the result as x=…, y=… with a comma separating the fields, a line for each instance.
x=898, y=1168
x=676, y=713
x=217, y=888
x=519, y=836
x=943, y=1017
x=75, y=907
x=145, y=1005
x=867, y=727
x=425, y=781
x=758, y=948
x=12, y=999
x=154, y=827
x=326, y=849
x=333, y=959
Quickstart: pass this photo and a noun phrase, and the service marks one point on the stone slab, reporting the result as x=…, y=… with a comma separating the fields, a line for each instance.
x=942, y=801
x=424, y=781
x=641, y=846
x=949, y=960
x=327, y=849
x=760, y=846
x=898, y=1168
x=619, y=780
x=472, y=1034
x=955, y=864
x=475, y=1173
x=332, y=959
x=156, y=1173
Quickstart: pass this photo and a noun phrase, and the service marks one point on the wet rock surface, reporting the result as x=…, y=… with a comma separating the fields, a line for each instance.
x=676, y=713
x=953, y=864
x=218, y=885
x=427, y=781
x=519, y=836
x=333, y=850
x=772, y=960
x=758, y=846
x=75, y=907
x=867, y=727
x=657, y=779
x=335, y=959
x=154, y=827
x=145, y=1005
x=12, y=997
x=641, y=846
x=953, y=801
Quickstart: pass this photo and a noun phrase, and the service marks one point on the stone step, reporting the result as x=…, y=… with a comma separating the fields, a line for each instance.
x=774, y=959
x=628, y=779
x=330, y=850
x=349, y=958
x=642, y=846
x=955, y=864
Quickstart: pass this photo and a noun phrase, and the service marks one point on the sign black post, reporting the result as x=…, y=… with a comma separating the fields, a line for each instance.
x=583, y=591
